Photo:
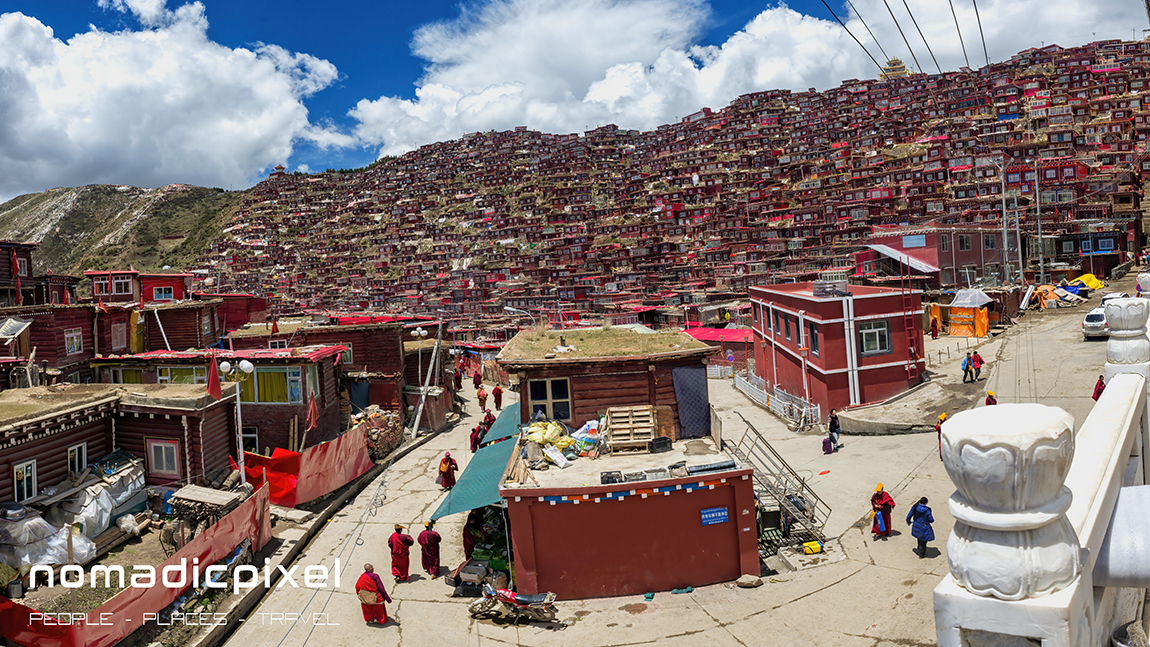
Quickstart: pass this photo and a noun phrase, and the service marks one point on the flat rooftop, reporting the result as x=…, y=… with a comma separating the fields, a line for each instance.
x=589, y=343
x=584, y=472
x=21, y=405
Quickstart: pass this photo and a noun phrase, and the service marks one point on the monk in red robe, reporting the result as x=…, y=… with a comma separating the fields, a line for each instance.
x=477, y=380
x=934, y=327
x=447, y=469
x=1099, y=387
x=429, y=549
x=497, y=395
x=476, y=438
x=881, y=503
x=372, y=596
x=459, y=379
x=400, y=544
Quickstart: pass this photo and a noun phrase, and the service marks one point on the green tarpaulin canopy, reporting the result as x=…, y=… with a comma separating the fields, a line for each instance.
x=478, y=486
x=505, y=426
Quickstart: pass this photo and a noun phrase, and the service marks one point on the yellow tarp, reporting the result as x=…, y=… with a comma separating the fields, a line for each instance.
x=969, y=322
x=1088, y=280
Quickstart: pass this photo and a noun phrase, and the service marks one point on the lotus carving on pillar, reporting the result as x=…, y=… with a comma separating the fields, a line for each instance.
x=1128, y=343
x=1011, y=538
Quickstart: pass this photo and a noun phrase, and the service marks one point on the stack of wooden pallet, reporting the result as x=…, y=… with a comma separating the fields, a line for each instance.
x=630, y=428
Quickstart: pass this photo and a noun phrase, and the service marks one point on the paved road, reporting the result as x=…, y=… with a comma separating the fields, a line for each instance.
x=865, y=593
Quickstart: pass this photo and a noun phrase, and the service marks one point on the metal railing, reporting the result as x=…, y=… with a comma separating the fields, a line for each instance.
x=720, y=371
x=806, y=513
x=788, y=407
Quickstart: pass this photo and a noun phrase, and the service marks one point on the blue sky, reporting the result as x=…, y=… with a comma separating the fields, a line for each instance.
x=150, y=92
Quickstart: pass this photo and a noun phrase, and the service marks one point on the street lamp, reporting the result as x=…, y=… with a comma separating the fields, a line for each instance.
x=246, y=368
x=419, y=334
x=521, y=312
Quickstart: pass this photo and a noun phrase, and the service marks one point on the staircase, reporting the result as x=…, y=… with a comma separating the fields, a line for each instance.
x=803, y=513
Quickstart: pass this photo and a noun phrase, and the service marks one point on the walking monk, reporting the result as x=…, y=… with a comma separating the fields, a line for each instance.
x=400, y=544
x=429, y=548
x=372, y=596
x=482, y=395
x=934, y=327
x=497, y=395
x=1099, y=387
x=447, y=469
x=881, y=503
x=477, y=379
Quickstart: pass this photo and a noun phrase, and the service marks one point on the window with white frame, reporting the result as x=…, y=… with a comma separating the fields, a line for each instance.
x=24, y=480
x=182, y=375
x=944, y=242
x=345, y=357
x=1068, y=247
x=73, y=341
x=100, y=285
x=989, y=241
x=552, y=397
x=787, y=326
x=163, y=457
x=963, y=242
x=121, y=284
x=874, y=337
x=162, y=293
x=277, y=343
x=1105, y=244
x=251, y=439
x=206, y=324
x=22, y=267
x=77, y=458
x=813, y=342
x=119, y=336
x=1086, y=246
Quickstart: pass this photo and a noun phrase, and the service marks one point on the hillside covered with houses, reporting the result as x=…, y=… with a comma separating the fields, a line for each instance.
x=778, y=186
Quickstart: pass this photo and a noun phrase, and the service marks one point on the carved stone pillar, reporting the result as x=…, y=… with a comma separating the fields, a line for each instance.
x=1011, y=538
x=1128, y=349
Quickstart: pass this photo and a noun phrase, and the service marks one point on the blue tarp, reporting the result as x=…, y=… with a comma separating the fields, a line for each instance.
x=1072, y=289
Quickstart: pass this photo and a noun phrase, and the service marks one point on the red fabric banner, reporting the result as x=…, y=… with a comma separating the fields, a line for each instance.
x=296, y=478
x=117, y=618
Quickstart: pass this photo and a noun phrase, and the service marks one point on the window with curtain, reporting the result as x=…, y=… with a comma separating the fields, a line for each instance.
x=272, y=385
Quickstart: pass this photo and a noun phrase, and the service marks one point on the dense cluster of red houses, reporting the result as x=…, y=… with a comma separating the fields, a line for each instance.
x=884, y=180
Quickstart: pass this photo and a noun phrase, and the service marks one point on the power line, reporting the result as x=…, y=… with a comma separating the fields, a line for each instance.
x=922, y=37
x=959, y=29
x=982, y=35
x=848, y=31
x=899, y=27
x=872, y=36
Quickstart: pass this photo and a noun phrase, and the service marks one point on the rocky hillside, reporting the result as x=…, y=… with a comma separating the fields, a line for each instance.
x=110, y=226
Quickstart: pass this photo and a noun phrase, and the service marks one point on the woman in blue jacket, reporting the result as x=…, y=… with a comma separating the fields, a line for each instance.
x=921, y=518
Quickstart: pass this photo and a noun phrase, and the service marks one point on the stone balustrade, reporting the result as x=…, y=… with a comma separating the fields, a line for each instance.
x=1034, y=504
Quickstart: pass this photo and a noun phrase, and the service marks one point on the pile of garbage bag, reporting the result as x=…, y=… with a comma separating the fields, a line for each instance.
x=549, y=442
x=32, y=541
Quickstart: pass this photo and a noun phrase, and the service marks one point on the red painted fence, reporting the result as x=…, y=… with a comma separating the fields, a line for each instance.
x=117, y=618
x=296, y=478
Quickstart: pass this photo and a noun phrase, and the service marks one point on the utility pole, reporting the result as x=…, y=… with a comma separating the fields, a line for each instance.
x=1038, y=213
x=1005, y=250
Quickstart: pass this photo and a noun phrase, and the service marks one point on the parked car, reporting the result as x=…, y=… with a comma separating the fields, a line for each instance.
x=1094, y=325
x=1114, y=295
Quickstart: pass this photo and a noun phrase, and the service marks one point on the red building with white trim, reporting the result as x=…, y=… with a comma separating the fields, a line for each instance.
x=840, y=350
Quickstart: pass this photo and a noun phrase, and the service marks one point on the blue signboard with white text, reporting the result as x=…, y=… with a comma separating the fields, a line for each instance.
x=712, y=516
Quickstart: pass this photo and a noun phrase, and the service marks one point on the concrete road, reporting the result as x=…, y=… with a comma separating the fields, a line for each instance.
x=861, y=592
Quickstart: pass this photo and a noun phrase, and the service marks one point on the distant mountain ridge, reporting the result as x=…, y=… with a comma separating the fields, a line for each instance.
x=102, y=226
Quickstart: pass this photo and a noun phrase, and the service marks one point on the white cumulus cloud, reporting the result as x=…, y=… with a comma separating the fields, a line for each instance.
x=563, y=65
x=151, y=106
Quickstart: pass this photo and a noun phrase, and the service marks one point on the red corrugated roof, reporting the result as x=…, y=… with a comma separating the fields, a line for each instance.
x=721, y=334
x=310, y=353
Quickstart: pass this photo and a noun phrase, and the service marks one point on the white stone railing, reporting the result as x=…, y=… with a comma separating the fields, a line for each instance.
x=1033, y=504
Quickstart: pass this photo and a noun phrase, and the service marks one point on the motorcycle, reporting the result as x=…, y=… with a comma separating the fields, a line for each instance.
x=513, y=605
